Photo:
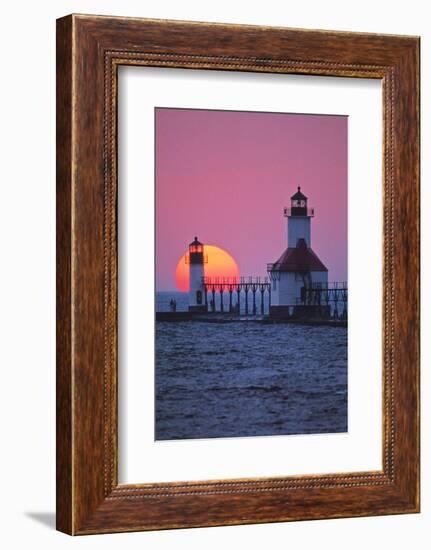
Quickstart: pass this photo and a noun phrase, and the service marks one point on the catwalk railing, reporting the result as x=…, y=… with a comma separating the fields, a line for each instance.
x=333, y=294
x=252, y=296
x=246, y=295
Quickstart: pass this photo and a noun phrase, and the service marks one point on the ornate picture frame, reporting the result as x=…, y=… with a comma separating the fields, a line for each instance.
x=89, y=51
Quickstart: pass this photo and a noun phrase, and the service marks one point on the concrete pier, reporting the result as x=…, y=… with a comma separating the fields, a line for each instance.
x=225, y=317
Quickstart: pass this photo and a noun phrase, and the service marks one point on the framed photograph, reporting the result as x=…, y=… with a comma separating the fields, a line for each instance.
x=237, y=274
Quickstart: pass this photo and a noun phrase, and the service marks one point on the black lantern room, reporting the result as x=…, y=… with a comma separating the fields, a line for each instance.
x=298, y=204
x=196, y=252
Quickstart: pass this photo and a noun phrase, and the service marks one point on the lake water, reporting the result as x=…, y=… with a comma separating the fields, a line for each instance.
x=248, y=379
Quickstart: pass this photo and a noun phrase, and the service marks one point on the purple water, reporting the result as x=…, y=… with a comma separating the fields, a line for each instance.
x=248, y=379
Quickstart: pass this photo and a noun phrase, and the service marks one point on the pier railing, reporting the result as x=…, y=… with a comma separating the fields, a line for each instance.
x=235, y=281
x=252, y=296
x=246, y=295
x=332, y=294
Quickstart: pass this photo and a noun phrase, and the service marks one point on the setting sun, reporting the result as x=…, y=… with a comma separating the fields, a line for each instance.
x=220, y=264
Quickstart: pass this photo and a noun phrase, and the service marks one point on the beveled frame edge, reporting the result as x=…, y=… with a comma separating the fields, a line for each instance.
x=89, y=499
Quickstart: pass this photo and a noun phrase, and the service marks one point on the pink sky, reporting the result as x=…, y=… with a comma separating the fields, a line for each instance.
x=225, y=176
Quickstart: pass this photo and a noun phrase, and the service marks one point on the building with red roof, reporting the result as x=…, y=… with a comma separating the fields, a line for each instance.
x=299, y=267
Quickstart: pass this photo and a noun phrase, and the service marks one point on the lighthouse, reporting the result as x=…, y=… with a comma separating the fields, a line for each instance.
x=196, y=260
x=298, y=268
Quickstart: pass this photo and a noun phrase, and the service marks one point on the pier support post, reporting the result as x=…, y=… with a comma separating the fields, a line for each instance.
x=246, y=299
x=212, y=288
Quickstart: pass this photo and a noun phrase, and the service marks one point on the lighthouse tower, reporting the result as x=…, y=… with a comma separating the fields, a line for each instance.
x=298, y=268
x=196, y=260
x=298, y=219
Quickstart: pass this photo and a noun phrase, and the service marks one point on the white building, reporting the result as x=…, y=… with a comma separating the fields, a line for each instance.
x=298, y=268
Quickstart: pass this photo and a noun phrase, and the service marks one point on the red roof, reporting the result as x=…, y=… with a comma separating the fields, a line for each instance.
x=299, y=259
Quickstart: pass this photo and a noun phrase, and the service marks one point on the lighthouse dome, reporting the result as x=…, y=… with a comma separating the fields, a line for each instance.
x=298, y=196
x=195, y=242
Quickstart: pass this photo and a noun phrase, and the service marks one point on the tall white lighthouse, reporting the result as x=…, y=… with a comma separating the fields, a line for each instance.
x=299, y=267
x=196, y=260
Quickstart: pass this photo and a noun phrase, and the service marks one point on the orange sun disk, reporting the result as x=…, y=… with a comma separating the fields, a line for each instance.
x=220, y=264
